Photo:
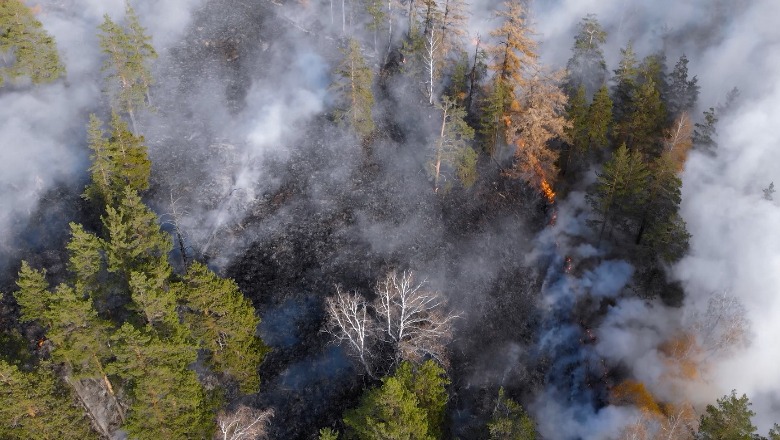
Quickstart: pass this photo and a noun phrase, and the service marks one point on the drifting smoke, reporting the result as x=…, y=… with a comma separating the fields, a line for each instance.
x=239, y=85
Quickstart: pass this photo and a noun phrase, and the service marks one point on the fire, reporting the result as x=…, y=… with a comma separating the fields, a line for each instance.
x=548, y=192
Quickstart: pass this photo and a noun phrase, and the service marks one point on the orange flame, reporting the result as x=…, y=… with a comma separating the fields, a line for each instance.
x=548, y=192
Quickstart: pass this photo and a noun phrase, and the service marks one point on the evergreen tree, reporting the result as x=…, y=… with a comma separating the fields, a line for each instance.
x=643, y=126
x=578, y=115
x=135, y=241
x=510, y=421
x=26, y=49
x=354, y=86
x=515, y=53
x=625, y=84
x=34, y=405
x=428, y=382
x=85, y=262
x=166, y=399
x=705, y=133
x=118, y=162
x=33, y=296
x=599, y=119
x=450, y=149
x=224, y=322
x=328, y=434
x=683, y=92
x=586, y=68
x=730, y=419
x=619, y=192
x=128, y=54
x=390, y=412
x=661, y=229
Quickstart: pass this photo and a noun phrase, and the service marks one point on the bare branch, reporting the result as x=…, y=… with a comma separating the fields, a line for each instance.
x=243, y=424
x=350, y=324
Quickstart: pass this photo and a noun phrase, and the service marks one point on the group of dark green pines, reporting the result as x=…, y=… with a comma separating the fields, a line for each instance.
x=126, y=342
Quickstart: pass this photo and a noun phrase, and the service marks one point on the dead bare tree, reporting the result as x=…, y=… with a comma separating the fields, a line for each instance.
x=413, y=318
x=243, y=424
x=350, y=324
x=723, y=326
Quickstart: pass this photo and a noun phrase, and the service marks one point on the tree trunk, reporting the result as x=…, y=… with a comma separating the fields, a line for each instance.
x=439, y=148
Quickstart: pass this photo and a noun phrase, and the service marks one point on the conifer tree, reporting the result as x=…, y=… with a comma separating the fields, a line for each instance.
x=34, y=405
x=128, y=52
x=599, y=119
x=730, y=419
x=625, y=84
x=586, y=68
x=26, y=49
x=428, y=382
x=33, y=296
x=643, y=126
x=705, y=133
x=354, y=86
x=683, y=92
x=620, y=190
x=510, y=421
x=539, y=121
x=224, y=322
x=512, y=55
x=119, y=161
x=577, y=132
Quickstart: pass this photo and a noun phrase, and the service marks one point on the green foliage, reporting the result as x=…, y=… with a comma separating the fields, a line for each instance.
x=135, y=241
x=409, y=405
x=32, y=51
x=33, y=405
x=586, y=67
x=730, y=419
x=166, y=399
x=510, y=421
x=328, y=434
x=85, y=259
x=661, y=229
x=599, y=118
x=389, y=412
x=619, y=192
x=33, y=295
x=119, y=161
x=451, y=150
x=493, y=120
x=353, y=84
x=705, y=133
x=625, y=80
x=683, y=92
x=577, y=132
x=128, y=51
x=643, y=127
x=224, y=322
x=428, y=382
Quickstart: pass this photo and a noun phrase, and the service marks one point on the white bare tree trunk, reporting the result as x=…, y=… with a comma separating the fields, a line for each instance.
x=431, y=52
x=244, y=424
x=349, y=323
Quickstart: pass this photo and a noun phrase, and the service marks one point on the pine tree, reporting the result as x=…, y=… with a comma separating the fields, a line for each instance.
x=26, y=49
x=729, y=420
x=452, y=144
x=625, y=84
x=510, y=421
x=224, y=322
x=539, y=121
x=599, y=119
x=620, y=190
x=705, y=133
x=35, y=405
x=166, y=399
x=428, y=382
x=128, y=54
x=354, y=85
x=512, y=56
x=643, y=126
x=683, y=92
x=389, y=412
x=118, y=162
x=33, y=295
x=577, y=132
x=85, y=262
x=135, y=241
x=586, y=68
